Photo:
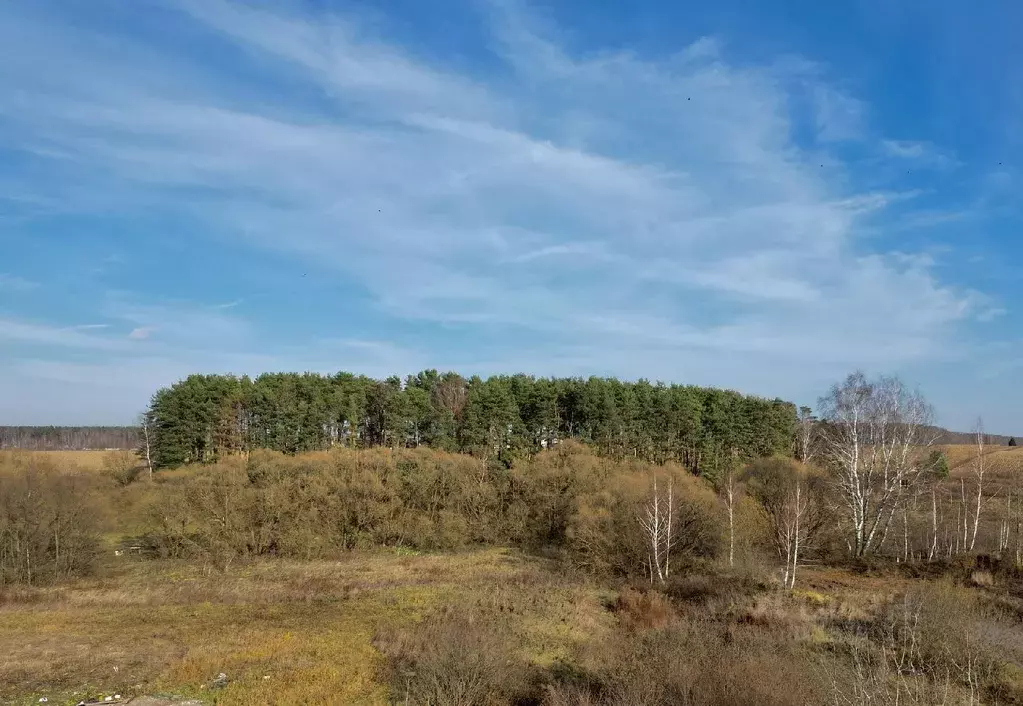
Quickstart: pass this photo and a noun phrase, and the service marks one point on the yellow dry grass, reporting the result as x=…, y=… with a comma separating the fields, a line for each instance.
x=284, y=632
x=1003, y=467
x=61, y=460
x=962, y=457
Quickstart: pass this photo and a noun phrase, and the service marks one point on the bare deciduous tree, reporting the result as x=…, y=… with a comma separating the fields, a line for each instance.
x=656, y=521
x=145, y=442
x=978, y=474
x=806, y=435
x=1005, y=527
x=872, y=435
x=793, y=498
x=729, y=489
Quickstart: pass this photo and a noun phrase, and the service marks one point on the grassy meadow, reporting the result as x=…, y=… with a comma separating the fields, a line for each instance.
x=324, y=632
x=284, y=632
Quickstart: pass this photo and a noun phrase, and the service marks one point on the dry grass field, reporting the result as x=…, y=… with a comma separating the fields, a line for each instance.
x=1003, y=469
x=283, y=632
x=997, y=459
x=323, y=632
x=80, y=460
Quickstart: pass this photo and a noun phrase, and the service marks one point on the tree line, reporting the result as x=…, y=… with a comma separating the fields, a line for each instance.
x=647, y=492
x=50, y=438
x=205, y=418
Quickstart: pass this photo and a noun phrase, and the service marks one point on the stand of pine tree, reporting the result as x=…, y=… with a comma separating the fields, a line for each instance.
x=209, y=417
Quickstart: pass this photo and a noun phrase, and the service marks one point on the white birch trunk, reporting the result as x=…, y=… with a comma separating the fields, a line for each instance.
x=980, y=482
x=795, y=546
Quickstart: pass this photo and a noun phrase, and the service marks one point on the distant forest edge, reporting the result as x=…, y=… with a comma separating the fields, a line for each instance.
x=944, y=437
x=68, y=438
x=499, y=419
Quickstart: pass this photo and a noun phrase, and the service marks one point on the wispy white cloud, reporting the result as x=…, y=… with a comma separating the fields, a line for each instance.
x=43, y=334
x=838, y=115
x=623, y=214
x=181, y=323
x=921, y=153
x=141, y=333
x=15, y=283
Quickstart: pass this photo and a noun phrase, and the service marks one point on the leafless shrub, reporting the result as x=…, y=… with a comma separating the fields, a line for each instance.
x=122, y=466
x=794, y=498
x=49, y=526
x=922, y=648
x=454, y=657
x=689, y=664
x=609, y=533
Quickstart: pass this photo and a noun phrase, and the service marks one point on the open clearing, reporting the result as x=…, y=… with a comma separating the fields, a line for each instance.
x=90, y=460
x=289, y=632
x=283, y=632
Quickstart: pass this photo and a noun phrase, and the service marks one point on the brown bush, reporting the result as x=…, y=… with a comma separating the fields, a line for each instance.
x=924, y=647
x=454, y=658
x=122, y=466
x=689, y=663
x=940, y=620
x=643, y=610
x=718, y=588
x=49, y=526
x=984, y=579
x=318, y=505
x=605, y=536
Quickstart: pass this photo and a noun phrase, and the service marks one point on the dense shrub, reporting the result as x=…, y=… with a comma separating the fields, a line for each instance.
x=123, y=467
x=317, y=505
x=924, y=647
x=605, y=535
x=935, y=628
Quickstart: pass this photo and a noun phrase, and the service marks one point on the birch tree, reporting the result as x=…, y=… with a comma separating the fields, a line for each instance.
x=978, y=475
x=806, y=435
x=872, y=436
x=793, y=498
x=936, y=471
x=729, y=490
x=1005, y=528
x=145, y=449
x=656, y=520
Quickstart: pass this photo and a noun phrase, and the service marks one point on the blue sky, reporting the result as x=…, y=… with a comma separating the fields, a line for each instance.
x=762, y=196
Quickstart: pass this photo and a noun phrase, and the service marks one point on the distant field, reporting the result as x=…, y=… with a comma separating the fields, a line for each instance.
x=69, y=460
x=998, y=460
